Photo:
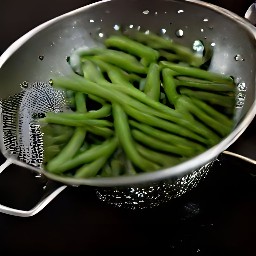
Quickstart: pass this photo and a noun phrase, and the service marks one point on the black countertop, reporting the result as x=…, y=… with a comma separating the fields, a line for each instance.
x=216, y=218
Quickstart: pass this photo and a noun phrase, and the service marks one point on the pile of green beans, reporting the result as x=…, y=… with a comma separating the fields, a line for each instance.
x=140, y=103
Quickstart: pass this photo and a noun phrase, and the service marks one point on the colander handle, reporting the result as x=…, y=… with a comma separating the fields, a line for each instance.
x=250, y=14
x=244, y=158
x=52, y=189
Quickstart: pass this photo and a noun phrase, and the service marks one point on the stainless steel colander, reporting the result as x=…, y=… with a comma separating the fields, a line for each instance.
x=27, y=66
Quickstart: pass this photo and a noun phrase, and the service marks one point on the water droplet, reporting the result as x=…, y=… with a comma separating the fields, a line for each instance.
x=238, y=57
x=116, y=27
x=180, y=11
x=91, y=21
x=198, y=47
x=165, y=12
x=24, y=85
x=131, y=26
x=147, y=32
x=156, y=13
x=205, y=20
x=41, y=57
x=202, y=30
x=213, y=44
x=163, y=31
x=146, y=12
x=241, y=96
x=179, y=33
x=240, y=99
x=139, y=27
x=50, y=82
x=241, y=87
x=198, y=250
x=101, y=34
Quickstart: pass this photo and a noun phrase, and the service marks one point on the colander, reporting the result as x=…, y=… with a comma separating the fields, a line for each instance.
x=27, y=66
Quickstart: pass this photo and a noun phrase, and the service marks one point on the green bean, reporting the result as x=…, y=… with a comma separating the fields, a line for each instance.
x=123, y=60
x=112, y=92
x=153, y=83
x=203, y=84
x=115, y=74
x=155, y=144
x=220, y=128
x=169, y=56
x=70, y=121
x=106, y=171
x=123, y=133
x=170, y=86
x=150, y=39
x=75, y=141
x=179, y=118
x=142, y=84
x=198, y=73
x=132, y=77
x=116, y=167
x=107, y=67
x=213, y=113
x=69, y=150
x=104, y=111
x=80, y=102
x=165, y=136
x=76, y=56
x=97, y=99
x=163, y=124
x=100, y=131
x=130, y=170
x=158, y=42
x=87, y=156
x=118, y=78
x=92, y=72
x=79, y=84
x=96, y=75
x=142, y=98
x=212, y=98
x=157, y=157
x=91, y=169
x=172, y=95
x=135, y=48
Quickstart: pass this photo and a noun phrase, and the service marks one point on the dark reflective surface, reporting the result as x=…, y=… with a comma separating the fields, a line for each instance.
x=216, y=218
